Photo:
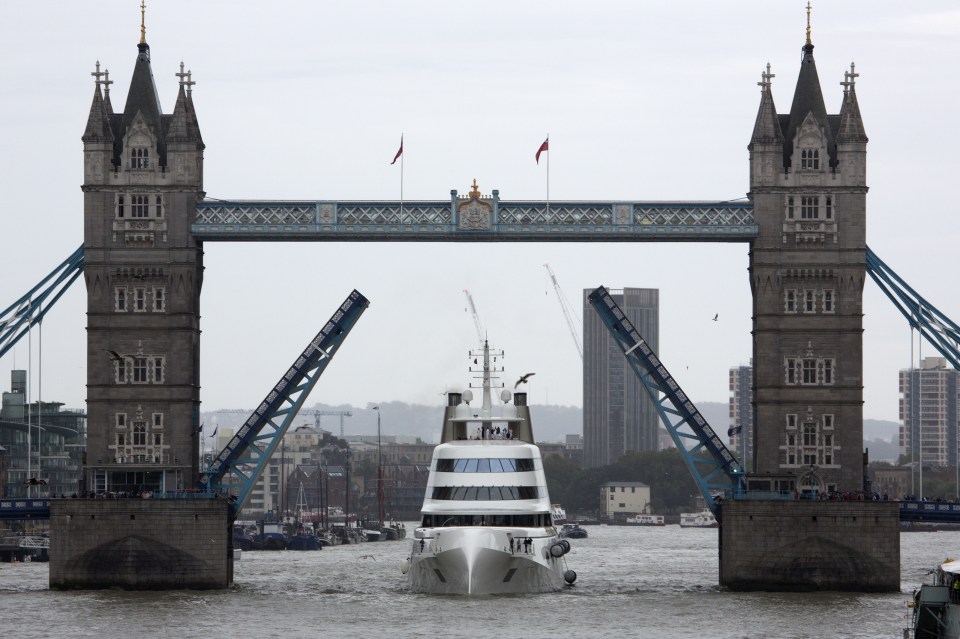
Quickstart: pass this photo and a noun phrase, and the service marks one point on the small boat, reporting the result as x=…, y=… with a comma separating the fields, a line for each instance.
x=394, y=531
x=936, y=606
x=304, y=541
x=572, y=531
x=702, y=519
x=487, y=525
x=646, y=520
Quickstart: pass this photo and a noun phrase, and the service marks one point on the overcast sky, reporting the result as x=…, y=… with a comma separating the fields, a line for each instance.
x=642, y=101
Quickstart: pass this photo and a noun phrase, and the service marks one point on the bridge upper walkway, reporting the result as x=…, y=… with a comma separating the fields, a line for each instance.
x=475, y=218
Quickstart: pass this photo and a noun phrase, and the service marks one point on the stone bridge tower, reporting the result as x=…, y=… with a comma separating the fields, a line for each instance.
x=807, y=270
x=142, y=177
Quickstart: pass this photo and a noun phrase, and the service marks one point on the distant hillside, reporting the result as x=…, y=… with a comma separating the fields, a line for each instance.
x=551, y=423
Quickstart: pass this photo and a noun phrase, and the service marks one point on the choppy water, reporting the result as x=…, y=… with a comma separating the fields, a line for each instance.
x=635, y=582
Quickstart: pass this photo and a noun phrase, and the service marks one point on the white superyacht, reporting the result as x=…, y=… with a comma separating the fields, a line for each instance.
x=486, y=526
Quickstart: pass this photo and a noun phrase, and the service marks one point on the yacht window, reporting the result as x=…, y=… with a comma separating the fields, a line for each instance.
x=485, y=465
x=485, y=493
x=527, y=521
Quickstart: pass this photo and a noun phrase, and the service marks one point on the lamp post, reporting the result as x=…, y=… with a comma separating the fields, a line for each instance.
x=379, y=471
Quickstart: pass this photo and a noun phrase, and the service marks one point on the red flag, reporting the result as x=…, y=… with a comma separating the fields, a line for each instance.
x=543, y=147
x=399, y=152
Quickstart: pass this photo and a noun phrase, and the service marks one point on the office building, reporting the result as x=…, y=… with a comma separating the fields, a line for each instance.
x=618, y=415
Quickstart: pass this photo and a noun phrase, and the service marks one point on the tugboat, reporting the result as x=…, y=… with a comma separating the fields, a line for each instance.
x=487, y=518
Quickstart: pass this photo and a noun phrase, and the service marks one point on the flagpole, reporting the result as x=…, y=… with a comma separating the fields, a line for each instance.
x=548, y=175
x=401, y=178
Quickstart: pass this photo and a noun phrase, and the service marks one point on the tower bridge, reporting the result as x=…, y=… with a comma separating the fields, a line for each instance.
x=146, y=217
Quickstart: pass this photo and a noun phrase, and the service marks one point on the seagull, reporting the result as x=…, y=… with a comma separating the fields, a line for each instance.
x=139, y=276
x=716, y=316
x=523, y=380
x=33, y=481
x=114, y=355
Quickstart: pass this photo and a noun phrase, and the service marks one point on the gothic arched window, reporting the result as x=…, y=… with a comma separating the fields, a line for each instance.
x=139, y=158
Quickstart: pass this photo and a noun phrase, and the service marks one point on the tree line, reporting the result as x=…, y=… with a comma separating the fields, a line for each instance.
x=672, y=487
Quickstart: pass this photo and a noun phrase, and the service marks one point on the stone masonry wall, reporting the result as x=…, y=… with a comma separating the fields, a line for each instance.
x=810, y=545
x=140, y=544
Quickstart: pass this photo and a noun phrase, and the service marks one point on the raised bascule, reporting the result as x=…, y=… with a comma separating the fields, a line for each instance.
x=146, y=219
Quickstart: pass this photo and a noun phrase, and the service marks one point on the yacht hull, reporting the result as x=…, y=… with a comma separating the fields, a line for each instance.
x=480, y=561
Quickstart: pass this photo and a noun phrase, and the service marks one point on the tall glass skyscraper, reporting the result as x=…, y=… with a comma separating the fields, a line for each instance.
x=618, y=416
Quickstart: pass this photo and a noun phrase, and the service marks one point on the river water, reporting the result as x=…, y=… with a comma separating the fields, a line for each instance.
x=633, y=582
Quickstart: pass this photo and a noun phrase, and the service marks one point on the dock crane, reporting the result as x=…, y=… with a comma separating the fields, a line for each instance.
x=568, y=313
x=476, y=317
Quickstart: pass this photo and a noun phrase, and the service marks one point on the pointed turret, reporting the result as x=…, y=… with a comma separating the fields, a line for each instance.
x=851, y=124
x=184, y=126
x=766, y=143
x=181, y=124
x=807, y=100
x=766, y=130
x=184, y=143
x=851, y=136
x=98, y=121
x=142, y=98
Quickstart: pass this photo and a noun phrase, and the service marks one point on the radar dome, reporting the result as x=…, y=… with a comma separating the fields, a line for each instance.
x=505, y=396
x=468, y=395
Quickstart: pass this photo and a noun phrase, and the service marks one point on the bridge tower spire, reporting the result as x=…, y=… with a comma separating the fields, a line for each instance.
x=143, y=175
x=807, y=270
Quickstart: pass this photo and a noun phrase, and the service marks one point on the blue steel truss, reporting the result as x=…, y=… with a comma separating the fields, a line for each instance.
x=239, y=465
x=474, y=218
x=936, y=327
x=712, y=465
x=17, y=319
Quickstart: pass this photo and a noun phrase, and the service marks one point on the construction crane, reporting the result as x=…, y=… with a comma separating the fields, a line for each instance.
x=476, y=317
x=318, y=413
x=568, y=313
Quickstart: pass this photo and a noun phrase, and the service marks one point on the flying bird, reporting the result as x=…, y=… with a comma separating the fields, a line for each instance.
x=523, y=380
x=33, y=481
x=716, y=316
x=114, y=355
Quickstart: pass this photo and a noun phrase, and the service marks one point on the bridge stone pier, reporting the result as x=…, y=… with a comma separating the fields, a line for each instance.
x=146, y=219
x=140, y=544
x=807, y=545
